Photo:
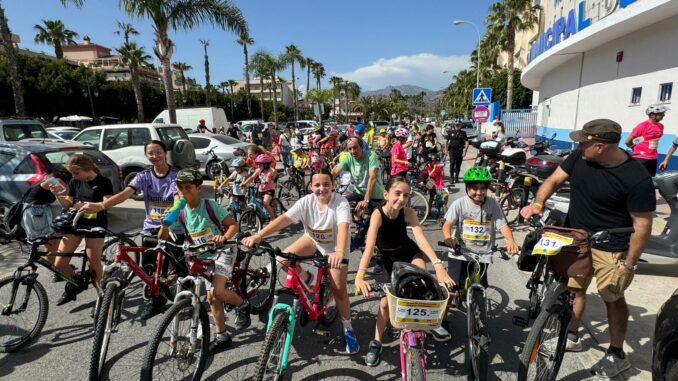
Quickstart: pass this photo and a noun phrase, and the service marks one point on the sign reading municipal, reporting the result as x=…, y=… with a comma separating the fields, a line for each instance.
x=481, y=114
x=482, y=96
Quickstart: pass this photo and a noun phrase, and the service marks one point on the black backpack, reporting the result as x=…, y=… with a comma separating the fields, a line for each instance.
x=15, y=212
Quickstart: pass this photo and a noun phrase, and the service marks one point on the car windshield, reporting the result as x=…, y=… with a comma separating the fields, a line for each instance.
x=61, y=156
x=226, y=139
x=14, y=132
x=380, y=124
x=66, y=135
x=169, y=135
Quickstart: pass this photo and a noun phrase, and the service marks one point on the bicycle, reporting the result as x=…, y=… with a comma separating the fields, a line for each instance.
x=316, y=304
x=17, y=330
x=255, y=215
x=385, y=164
x=544, y=348
x=185, y=346
x=473, y=293
x=417, y=201
x=290, y=190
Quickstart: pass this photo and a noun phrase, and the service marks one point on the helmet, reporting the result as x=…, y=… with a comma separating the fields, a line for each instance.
x=334, y=134
x=296, y=146
x=412, y=282
x=414, y=127
x=202, y=121
x=477, y=175
x=239, y=163
x=402, y=133
x=656, y=109
x=263, y=159
x=188, y=175
x=434, y=157
x=382, y=130
x=359, y=128
x=318, y=129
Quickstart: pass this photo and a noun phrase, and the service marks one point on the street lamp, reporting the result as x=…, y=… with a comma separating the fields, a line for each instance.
x=90, y=94
x=459, y=22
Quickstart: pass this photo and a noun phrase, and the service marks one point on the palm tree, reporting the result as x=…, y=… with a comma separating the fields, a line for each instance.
x=134, y=57
x=352, y=90
x=293, y=55
x=258, y=68
x=54, y=33
x=506, y=18
x=337, y=86
x=273, y=65
x=126, y=30
x=309, y=66
x=205, y=44
x=182, y=67
x=244, y=41
x=320, y=97
x=183, y=15
x=318, y=73
x=12, y=66
x=229, y=84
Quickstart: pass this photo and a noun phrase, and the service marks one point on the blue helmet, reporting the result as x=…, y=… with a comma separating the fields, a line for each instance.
x=359, y=128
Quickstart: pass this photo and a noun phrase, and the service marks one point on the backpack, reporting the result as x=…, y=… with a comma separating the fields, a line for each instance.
x=13, y=216
x=210, y=212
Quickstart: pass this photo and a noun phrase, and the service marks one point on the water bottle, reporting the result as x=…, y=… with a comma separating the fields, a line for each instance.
x=58, y=188
x=174, y=211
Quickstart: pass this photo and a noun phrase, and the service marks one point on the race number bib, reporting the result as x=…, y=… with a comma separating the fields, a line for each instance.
x=202, y=236
x=429, y=144
x=157, y=209
x=476, y=230
x=410, y=312
x=322, y=237
x=551, y=244
x=652, y=144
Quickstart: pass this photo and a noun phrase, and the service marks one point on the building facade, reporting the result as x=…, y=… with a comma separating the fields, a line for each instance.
x=284, y=92
x=604, y=59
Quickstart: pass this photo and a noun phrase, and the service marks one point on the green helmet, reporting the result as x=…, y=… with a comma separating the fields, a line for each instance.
x=477, y=175
x=239, y=163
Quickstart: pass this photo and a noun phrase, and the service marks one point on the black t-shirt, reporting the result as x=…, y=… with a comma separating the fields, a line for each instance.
x=456, y=140
x=429, y=141
x=603, y=197
x=39, y=196
x=91, y=191
x=233, y=132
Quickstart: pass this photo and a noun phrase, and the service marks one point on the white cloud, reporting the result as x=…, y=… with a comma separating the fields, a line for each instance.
x=424, y=69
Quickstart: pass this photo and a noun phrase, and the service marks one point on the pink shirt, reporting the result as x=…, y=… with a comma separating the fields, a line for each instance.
x=398, y=152
x=266, y=179
x=650, y=132
x=436, y=174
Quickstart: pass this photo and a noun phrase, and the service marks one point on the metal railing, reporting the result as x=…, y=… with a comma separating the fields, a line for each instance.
x=520, y=122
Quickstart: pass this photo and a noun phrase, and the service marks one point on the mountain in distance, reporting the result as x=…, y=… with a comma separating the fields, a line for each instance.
x=431, y=98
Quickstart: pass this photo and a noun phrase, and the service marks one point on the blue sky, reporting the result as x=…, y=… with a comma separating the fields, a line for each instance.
x=373, y=42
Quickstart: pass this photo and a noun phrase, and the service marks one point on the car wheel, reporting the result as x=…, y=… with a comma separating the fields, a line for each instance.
x=139, y=195
x=16, y=230
x=212, y=169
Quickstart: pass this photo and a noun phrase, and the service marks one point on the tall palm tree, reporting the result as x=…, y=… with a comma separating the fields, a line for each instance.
x=320, y=97
x=506, y=18
x=309, y=66
x=259, y=69
x=182, y=15
x=245, y=40
x=293, y=55
x=182, y=68
x=126, y=30
x=205, y=44
x=134, y=57
x=229, y=84
x=12, y=66
x=273, y=65
x=352, y=90
x=54, y=33
x=337, y=86
x=318, y=73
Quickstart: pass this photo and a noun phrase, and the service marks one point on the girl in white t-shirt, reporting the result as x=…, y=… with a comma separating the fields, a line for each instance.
x=326, y=217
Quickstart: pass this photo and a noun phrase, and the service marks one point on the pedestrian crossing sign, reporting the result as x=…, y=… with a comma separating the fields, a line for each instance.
x=482, y=96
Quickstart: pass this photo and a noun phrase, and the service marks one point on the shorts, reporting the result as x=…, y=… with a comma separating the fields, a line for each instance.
x=270, y=192
x=458, y=271
x=611, y=285
x=650, y=165
x=399, y=256
x=224, y=261
x=401, y=174
x=86, y=224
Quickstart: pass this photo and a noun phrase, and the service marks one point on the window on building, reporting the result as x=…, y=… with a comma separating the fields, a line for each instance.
x=665, y=90
x=635, y=95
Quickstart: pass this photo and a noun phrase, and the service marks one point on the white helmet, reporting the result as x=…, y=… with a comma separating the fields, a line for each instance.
x=402, y=133
x=656, y=109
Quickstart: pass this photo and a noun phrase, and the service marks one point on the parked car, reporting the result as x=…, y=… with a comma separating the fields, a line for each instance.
x=12, y=130
x=665, y=342
x=77, y=121
x=23, y=164
x=378, y=124
x=246, y=127
x=214, y=117
x=466, y=126
x=63, y=133
x=124, y=144
x=225, y=147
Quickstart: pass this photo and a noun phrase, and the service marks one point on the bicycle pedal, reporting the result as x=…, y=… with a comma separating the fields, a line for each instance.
x=520, y=321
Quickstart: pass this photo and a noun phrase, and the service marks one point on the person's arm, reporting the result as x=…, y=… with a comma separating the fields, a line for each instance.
x=370, y=242
x=446, y=144
x=511, y=245
x=230, y=232
x=371, y=183
x=545, y=191
x=251, y=178
x=419, y=236
x=665, y=162
x=629, y=140
x=109, y=202
x=642, y=225
x=335, y=258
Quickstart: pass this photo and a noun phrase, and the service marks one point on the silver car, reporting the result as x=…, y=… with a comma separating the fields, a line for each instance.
x=225, y=148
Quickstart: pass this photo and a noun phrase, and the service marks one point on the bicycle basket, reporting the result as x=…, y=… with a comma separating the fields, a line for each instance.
x=415, y=314
x=573, y=260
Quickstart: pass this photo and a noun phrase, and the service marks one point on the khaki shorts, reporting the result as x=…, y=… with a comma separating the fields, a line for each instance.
x=611, y=285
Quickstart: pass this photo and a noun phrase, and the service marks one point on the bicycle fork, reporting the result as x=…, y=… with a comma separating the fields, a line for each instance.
x=291, y=324
x=413, y=339
x=484, y=340
x=195, y=316
x=8, y=309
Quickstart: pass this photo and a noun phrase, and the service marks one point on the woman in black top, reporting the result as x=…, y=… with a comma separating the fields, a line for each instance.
x=87, y=185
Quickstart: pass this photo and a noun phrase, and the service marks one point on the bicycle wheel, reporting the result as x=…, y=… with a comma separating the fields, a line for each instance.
x=269, y=364
x=544, y=348
x=218, y=192
x=419, y=203
x=28, y=316
x=510, y=204
x=249, y=222
x=257, y=282
x=537, y=287
x=289, y=193
x=110, y=250
x=277, y=207
x=415, y=360
x=327, y=299
x=105, y=326
x=172, y=353
x=478, y=338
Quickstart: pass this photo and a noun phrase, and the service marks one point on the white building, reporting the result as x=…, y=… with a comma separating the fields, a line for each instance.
x=604, y=59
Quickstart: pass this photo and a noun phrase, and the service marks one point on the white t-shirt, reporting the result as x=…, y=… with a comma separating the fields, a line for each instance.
x=322, y=226
x=235, y=178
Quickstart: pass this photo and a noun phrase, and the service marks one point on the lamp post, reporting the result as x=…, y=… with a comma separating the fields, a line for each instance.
x=90, y=94
x=459, y=22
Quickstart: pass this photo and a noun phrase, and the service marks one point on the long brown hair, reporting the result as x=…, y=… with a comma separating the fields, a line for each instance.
x=82, y=163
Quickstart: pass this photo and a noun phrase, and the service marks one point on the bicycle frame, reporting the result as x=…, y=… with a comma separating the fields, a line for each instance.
x=413, y=339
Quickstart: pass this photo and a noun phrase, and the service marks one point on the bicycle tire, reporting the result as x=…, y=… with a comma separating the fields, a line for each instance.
x=249, y=222
x=537, y=290
x=6, y=344
x=414, y=362
x=419, y=203
x=255, y=279
x=533, y=347
x=510, y=204
x=478, y=339
x=326, y=299
x=108, y=311
x=108, y=257
x=178, y=311
x=277, y=207
x=288, y=193
x=218, y=193
x=274, y=344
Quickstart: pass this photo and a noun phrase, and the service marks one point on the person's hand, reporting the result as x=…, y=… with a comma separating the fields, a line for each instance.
x=252, y=240
x=334, y=259
x=91, y=207
x=362, y=286
x=512, y=248
x=451, y=242
x=360, y=207
x=218, y=240
x=443, y=277
x=530, y=211
x=623, y=270
x=663, y=165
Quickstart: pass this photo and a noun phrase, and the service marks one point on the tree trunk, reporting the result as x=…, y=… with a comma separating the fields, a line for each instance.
x=294, y=94
x=12, y=67
x=261, y=96
x=275, y=101
x=169, y=89
x=207, y=79
x=58, y=51
x=308, y=78
x=247, y=83
x=232, y=100
x=137, y=95
x=510, y=49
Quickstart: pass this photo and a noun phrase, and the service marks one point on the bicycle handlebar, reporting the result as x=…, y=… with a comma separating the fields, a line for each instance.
x=494, y=248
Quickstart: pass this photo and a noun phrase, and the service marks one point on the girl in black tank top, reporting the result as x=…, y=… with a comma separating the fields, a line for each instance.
x=392, y=239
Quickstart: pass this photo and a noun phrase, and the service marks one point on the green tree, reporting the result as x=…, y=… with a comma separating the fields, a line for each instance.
x=182, y=15
x=54, y=33
x=352, y=90
x=134, y=57
x=320, y=97
x=337, y=86
x=12, y=68
x=245, y=40
x=258, y=67
x=205, y=44
x=318, y=73
x=182, y=68
x=126, y=30
x=293, y=55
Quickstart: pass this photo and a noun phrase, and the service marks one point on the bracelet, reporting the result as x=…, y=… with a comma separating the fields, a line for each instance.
x=340, y=251
x=538, y=205
x=360, y=276
x=102, y=205
x=437, y=262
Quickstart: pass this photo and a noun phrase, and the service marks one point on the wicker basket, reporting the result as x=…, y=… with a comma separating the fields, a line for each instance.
x=415, y=315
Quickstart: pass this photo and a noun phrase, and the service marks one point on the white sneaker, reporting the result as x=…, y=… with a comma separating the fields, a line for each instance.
x=570, y=346
x=610, y=366
x=441, y=334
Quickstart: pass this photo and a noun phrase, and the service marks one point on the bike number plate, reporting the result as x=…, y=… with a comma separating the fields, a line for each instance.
x=415, y=312
x=476, y=230
x=551, y=244
x=511, y=182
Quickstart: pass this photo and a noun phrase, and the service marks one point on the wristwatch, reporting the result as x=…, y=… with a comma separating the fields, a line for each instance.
x=628, y=267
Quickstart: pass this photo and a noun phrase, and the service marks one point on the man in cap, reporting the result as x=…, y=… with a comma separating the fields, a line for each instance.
x=609, y=189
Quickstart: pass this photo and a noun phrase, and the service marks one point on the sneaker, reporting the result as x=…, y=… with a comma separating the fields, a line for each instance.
x=441, y=333
x=242, y=315
x=373, y=354
x=352, y=345
x=610, y=366
x=152, y=307
x=217, y=345
x=378, y=267
x=67, y=296
x=570, y=346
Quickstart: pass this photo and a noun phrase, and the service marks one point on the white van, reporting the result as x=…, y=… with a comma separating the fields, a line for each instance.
x=189, y=118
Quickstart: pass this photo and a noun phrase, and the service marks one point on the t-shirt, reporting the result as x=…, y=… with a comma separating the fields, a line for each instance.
x=236, y=178
x=233, y=132
x=91, y=191
x=199, y=225
x=429, y=141
x=360, y=172
x=284, y=141
x=369, y=137
x=456, y=140
x=299, y=160
x=158, y=192
x=383, y=142
x=475, y=226
x=603, y=197
x=650, y=133
x=398, y=152
x=266, y=179
x=322, y=226
x=39, y=196
x=435, y=173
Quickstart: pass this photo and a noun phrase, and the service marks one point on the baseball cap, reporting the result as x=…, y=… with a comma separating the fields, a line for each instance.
x=359, y=128
x=602, y=130
x=188, y=175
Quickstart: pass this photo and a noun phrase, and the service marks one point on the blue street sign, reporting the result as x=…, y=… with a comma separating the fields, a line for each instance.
x=482, y=96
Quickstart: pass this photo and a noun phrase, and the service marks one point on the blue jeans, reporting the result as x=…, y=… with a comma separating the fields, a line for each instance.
x=287, y=155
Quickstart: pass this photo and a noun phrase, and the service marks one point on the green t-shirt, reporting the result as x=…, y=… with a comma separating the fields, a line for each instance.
x=199, y=225
x=360, y=172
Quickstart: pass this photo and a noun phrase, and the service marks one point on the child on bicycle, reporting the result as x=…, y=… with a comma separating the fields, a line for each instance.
x=388, y=230
x=236, y=178
x=435, y=172
x=326, y=217
x=206, y=221
x=266, y=174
